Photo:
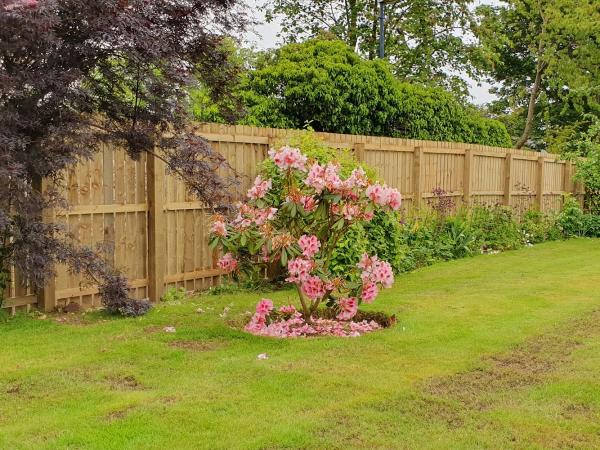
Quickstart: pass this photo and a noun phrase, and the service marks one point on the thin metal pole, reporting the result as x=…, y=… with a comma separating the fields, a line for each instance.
x=381, y=28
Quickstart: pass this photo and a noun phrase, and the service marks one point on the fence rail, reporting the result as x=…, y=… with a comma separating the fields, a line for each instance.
x=160, y=231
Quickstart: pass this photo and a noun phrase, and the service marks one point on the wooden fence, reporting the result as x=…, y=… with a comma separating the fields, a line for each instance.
x=159, y=230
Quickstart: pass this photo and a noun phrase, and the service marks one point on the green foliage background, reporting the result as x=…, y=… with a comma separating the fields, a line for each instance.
x=324, y=84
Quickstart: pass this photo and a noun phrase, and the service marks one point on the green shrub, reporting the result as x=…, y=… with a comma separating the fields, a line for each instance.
x=496, y=228
x=591, y=225
x=460, y=238
x=538, y=227
x=349, y=250
x=571, y=218
x=326, y=85
x=382, y=236
x=575, y=223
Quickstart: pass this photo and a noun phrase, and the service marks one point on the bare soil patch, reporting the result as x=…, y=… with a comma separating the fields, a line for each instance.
x=124, y=383
x=528, y=364
x=198, y=346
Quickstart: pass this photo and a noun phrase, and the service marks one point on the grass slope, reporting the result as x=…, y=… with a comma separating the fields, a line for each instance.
x=495, y=351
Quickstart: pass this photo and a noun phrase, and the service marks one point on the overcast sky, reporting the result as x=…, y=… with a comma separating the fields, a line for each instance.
x=265, y=36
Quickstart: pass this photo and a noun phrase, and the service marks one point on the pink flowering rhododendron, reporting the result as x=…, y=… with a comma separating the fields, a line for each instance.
x=384, y=196
x=260, y=188
x=299, y=270
x=288, y=158
x=369, y=292
x=264, y=307
x=376, y=271
x=348, y=308
x=296, y=224
x=309, y=245
x=308, y=202
x=219, y=228
x=227, y=262
x=313, y=287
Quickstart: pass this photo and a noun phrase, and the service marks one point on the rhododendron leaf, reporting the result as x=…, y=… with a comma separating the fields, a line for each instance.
x=284, y=257
x=213, y=244
x=243, y=240
x=339, y=224
x=333, y=198
x=321, y=212
x=353, y=285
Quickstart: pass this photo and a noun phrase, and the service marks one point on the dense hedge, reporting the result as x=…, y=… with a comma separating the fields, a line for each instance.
x=326, y=85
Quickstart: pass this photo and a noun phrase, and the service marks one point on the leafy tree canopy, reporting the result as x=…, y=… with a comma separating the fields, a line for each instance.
x=76, y=74
x=326, y=85
x=545, y=55
x=426, y=41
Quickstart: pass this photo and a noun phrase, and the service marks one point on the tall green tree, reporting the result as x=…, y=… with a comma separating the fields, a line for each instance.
x=426, y=41
x=545, y=54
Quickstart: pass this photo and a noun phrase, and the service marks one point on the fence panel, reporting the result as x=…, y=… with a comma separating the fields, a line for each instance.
x=159, y=231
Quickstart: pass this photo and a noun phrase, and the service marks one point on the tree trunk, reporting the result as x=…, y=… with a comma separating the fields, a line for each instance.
x=537, y=85
x=373, y=43
x=535, y=92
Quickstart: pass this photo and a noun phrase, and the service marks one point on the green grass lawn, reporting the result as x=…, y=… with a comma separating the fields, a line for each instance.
x=497, y=351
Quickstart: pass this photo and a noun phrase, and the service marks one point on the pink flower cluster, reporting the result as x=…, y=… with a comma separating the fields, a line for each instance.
x=313, y=287
x=358, y=178
x=348, y=308
x=327, y=177
x=248, y=215
x=288, y=309
x=383, y=195
x=308, y=203
x=296, y=326
x=299, y=270
x=288, y=158
x=375, y=270
x=259, y=319
x=260, y=188
x=227, y=263
x=219, y=228
x=309, y=244
x=351, y=212
x=369, y=292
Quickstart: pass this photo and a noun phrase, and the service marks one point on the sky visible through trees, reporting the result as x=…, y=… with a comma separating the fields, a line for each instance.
x=265, y=36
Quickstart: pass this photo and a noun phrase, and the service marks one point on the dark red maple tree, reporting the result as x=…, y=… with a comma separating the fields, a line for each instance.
x=78, y=73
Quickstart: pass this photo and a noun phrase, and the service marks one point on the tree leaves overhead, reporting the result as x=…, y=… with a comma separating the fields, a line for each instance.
x=560, y=40
x=427, y=41
x=76, y=74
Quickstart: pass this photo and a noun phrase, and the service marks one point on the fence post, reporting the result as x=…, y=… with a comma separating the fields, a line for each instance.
x=46, y=296
x=539, y=197
x=417, y=183
x=156, y=228
x=467, y=174
x=508, y=178
x=568, y=185
x=359, y=151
